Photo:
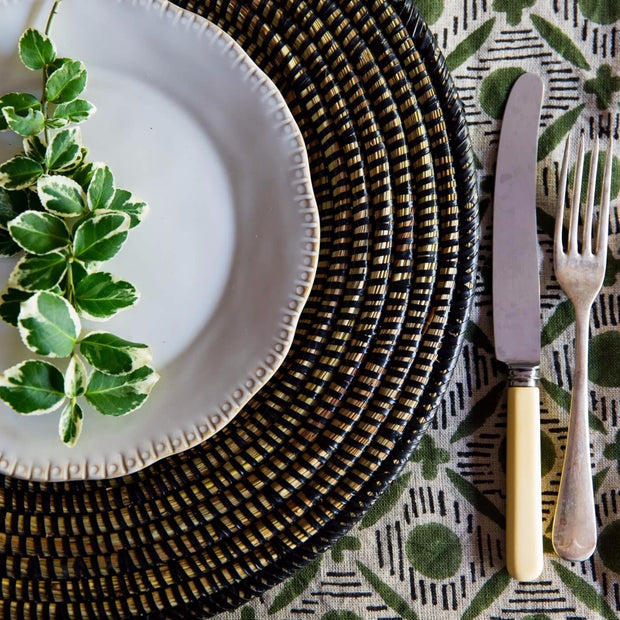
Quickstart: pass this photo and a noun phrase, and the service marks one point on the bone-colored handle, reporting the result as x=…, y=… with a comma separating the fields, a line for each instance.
x=524, y=550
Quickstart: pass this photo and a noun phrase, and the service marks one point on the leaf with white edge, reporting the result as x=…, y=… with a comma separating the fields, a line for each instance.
x=119, y=395
x=75, y=378
x=125, y=202
x=48, y=325
x=101, y=189
x=83, y=174
x=99, y=238
x=99, y=296
x=39, y=273
x=61, y=195
x=20, y=102
x=11, y=205
x=64, y=150
x=31, y=124
x=55, y=123
x=8, y=247
x=67, y=82
x=70, y=423
x=78, y=272
x=19, y=172
x=113, y=355
x=39, y=233
x=36, y=49
x=35, y=148
x=33, y=387
x=11, y=304
x=76, y=111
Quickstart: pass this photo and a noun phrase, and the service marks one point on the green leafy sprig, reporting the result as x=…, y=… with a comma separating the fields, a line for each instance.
x=67, y=217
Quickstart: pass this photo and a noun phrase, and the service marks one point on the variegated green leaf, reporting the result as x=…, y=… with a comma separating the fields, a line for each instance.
x=120, y=394
x=67, y=82
x=39, y=273
x=11, y=205
x=113, y=355
x=20, y=102
x=19, y=172
x=49, y=325
x=8, y=247
x=100, y=295
x=33, y=387
x=29, y=124
x=39, y=233
x=11, y=304
x=99, y=238
x=70, y=423
x=36, y=50
x=83, y=174
x=61, y=195
x=75, y=378
x=101, y=189
x=35, y=148
x=125, y=202
x=75, y=111
x=64, y=149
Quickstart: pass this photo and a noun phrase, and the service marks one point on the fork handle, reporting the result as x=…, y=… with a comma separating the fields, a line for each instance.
x=574, y=524
x=524, y=550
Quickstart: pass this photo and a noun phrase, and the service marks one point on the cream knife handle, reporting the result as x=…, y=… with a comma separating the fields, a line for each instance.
x=524, y=550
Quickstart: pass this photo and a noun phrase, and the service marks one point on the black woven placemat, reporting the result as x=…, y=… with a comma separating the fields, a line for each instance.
x=392, y=172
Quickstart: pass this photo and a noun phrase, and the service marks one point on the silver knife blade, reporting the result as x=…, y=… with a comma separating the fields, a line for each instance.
x=516, y=289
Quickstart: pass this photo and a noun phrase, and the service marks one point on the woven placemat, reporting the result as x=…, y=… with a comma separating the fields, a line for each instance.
x=203, y=531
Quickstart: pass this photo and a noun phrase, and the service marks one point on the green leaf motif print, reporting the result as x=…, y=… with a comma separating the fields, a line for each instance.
x=513, y=9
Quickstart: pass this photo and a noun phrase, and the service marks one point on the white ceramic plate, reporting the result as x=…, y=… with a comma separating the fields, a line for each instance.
x=226, y=257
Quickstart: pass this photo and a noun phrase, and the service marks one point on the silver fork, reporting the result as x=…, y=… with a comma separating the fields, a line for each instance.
x=580, y=273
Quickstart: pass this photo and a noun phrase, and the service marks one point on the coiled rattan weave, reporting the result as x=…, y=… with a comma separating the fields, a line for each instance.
x=393, y=176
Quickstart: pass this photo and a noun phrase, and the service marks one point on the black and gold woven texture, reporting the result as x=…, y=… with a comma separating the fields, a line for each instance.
x=392, y=171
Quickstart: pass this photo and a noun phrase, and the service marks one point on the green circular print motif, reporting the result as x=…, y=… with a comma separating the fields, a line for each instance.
x=536, y=617
x=601, y=11
x=609, y=546
x=495, y=88
x=434, y=550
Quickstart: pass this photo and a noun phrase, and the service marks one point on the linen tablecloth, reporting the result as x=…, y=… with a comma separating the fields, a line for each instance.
x=434, y=545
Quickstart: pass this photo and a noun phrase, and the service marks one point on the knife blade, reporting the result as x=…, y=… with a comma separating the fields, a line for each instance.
x=516, y=321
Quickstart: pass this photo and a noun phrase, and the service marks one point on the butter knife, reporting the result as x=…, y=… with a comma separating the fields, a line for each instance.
x=516, y=321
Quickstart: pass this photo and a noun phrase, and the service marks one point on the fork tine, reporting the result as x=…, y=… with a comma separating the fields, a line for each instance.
x=575, y=204
x=586, y=244
x=603, y=221
x=559, y=213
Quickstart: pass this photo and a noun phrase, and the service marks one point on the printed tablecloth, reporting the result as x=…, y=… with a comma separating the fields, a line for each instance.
x=434, y=545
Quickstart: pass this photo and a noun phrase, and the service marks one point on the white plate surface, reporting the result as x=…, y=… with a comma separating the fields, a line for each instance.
x=226, y=257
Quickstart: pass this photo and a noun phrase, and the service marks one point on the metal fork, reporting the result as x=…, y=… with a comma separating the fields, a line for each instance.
x=580, y=272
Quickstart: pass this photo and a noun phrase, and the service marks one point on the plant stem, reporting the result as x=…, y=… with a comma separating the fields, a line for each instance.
x=48, y=26
x=50, y=17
